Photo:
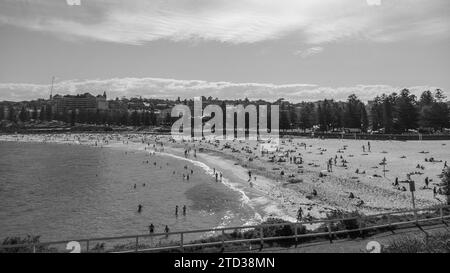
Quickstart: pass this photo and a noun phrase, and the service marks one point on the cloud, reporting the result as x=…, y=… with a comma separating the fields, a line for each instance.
x=171, y=88
x=245, y=21
x=374, y=2
x=73, y=2
x=309, y=52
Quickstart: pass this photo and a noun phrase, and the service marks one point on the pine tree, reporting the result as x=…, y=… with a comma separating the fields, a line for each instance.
x=406, y=111
x=12, y=114
x=23, y=114
x=34, y=115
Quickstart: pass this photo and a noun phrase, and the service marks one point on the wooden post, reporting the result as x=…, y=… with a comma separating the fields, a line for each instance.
x=181, y=241
x=223, y=239
x=137, y=243
x=390, y=223
x=361, y=226
x=295, y=233
x=261, y=237
x=414, y=207
x=330, y=235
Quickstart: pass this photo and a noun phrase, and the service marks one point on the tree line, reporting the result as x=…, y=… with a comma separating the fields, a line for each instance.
x=388, y=113
x=45, y=113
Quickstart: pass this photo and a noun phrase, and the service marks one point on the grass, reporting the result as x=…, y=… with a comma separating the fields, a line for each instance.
x=437, y=243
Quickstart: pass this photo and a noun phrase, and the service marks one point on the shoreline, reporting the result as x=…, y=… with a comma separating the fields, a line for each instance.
x=267, y=197
x=276, y=197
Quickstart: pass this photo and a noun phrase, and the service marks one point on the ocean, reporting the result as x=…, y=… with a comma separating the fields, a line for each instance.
x=62, y=192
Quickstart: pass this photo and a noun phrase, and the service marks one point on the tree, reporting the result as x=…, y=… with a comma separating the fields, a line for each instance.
x=73, y=116
x=388, y=122
x=364, y=118
x=12, y=114
x=34, y=114
x=434, y=112
x=426, y=98
x=446, y=183
x=306, y=119
x=353, y=114
x=23, y=114
x=376, y=113
x=135, y=120
x=406, y=111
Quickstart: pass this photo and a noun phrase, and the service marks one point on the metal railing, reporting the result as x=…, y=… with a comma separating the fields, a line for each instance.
x=85, y=245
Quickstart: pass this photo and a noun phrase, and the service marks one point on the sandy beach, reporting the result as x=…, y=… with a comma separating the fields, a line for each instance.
x=295, y=174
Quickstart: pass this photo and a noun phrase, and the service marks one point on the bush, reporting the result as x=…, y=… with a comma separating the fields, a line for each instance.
x=439, y=243
x=29, y=239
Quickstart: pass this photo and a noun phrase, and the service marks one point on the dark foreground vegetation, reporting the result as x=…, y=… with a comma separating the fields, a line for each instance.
x=350, y=226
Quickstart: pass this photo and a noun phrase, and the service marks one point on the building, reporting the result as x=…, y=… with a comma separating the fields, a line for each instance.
x=80, y=102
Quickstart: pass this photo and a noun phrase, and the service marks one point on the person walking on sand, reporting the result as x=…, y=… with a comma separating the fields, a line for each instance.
x=151, y=229
x=139, y=208
x=368, y=145
x=176, y=211
x=167, y=230
x=184, y=210
x=299, y=214
x=427, y=182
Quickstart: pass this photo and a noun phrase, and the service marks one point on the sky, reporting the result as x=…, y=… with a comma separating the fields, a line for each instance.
x=270, y=49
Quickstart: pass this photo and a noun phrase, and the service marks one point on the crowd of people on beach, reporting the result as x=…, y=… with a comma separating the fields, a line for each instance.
x=286, y=164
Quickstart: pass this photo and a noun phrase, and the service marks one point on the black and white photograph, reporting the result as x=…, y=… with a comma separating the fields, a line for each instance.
x=250, y=129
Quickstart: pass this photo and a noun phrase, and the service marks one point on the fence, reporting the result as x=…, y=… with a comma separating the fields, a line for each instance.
x=139, y=243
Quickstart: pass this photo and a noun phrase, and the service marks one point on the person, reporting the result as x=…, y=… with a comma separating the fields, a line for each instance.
x=368, y=145
x=139, y=208
x=176, y=210
x=352, y=196
x=396, y=182
x=166, y=230
x=299, y=214
x=427, y=182
x=151, y=229
x=184, y=210
x=434, y=192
